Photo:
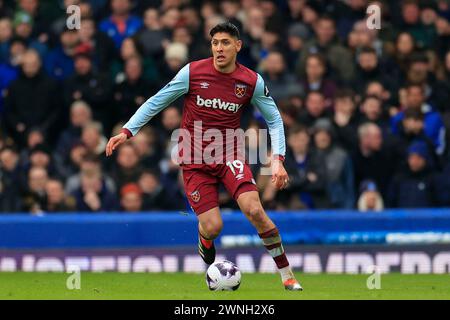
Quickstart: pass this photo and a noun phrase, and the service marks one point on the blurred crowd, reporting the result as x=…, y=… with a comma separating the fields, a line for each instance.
x=366, y=111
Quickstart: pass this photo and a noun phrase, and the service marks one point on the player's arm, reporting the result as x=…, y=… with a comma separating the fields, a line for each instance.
x=266, y=105
x=164, y=97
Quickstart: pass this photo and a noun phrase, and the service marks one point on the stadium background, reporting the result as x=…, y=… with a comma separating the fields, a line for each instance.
x=366, y=114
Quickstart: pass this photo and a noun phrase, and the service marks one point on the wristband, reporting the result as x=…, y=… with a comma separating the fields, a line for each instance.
x=278, y=157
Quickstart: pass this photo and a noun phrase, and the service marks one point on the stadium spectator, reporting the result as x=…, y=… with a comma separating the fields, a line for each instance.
x=433, y=124
x=131, y=49
x=412, y=129
x=410, y=13
x=371, y=109
x=131, y=198
x=419, y=72
x=443, y=186
x=170, y=18
x=369, y=69
x=182, y=35
x=254, y=25
x=277, y=77
x=35, y=136
x=326, y=43
x=87, y=163
x=94, y=88
x=10, y=180
x=95, y=41
x=121, y=24
x=405, y=45
x=294, y=10
x=348, y=14
x=92, y=137
x=315, y=80
x=232, y=11
x=155, y=195
x=6, y=33
x=58, y=62
x=345, y=119
x=339, y=168
x=45, y=110
x=9, y=68
x=370, y=199
x=151, y=37
x=175, y=57
x=307, y=171
x=148, y=147
x=377, y=89
x=24, y=25
x=40, y=157
x=93, y=195
x=34, y=197
x=315, y=109
x=127, y=167
x=70, y=165
x=297, y=34
x=414, y=188
x=80, y=116
x=132, y=91
x=373, y=160
x=443, y=32
x=57, y=200
x=170, y=120
x=362, y=37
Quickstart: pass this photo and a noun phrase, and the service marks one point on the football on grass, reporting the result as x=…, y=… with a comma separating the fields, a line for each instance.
x=223, y=276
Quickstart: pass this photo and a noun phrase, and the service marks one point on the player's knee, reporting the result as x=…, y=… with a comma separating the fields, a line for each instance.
x=212, y=229
x=255, y=212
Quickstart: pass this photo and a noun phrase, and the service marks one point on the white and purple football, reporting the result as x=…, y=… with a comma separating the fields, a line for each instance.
x=223, y=276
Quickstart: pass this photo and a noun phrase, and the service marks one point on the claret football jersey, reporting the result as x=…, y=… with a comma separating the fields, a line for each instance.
x=213, y=106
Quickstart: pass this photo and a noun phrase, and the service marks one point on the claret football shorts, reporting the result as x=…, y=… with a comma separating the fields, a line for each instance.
x=201, y=183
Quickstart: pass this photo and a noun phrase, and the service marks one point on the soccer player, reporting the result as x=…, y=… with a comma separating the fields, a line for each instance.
x=216, y=90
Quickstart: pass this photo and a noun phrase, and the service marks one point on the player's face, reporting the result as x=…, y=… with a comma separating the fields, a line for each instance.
x=224, y=49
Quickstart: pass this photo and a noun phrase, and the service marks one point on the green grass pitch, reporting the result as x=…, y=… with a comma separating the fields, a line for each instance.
x=192, y=286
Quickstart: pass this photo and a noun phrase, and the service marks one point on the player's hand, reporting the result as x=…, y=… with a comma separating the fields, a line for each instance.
x=114, y=142
x=280, y=177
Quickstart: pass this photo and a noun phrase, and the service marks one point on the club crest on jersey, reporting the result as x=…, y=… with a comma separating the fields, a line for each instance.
x=195, y=196
x=240, y=90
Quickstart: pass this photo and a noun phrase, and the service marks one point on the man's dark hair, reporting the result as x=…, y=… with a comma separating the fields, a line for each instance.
x=327, y=17
x=374, y=97
x=320, y=93
x=411, y=85
x=413, y=114
x=296, y=129
x=91, y=157
x=368, y=50
x=344, y=93
x=226, y=27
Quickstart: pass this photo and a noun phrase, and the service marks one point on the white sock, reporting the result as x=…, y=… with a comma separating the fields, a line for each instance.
x=286, y=273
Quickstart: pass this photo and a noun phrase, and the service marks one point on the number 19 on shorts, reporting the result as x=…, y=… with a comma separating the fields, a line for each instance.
x=239, y=165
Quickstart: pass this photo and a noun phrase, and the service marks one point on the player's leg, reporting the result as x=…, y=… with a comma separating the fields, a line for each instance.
x=250, y=204
x=209, y=226
x=201, y=191
x=238, y=179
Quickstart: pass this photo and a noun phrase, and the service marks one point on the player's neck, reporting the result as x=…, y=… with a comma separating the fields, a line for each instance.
x=226, y=69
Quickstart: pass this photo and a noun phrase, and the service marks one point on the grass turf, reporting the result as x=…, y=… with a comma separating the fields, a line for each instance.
x=192, y=286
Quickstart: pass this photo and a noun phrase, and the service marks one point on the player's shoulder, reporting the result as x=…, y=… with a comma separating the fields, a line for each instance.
x=247, y=71
x=246, y=75
x=200, y=65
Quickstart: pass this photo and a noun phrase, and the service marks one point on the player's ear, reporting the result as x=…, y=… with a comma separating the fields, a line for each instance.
x=238, y=45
